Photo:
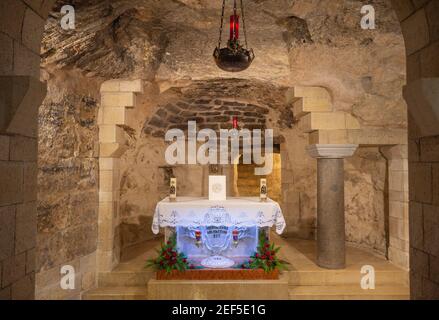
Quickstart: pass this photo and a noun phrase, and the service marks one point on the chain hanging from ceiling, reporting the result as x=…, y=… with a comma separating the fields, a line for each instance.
x=234, y=57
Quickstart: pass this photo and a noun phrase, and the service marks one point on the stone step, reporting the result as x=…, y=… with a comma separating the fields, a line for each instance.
x=243, y=179
x=348, y=293
x=116, y=293
x=124, y=278
x=249, y=182
x=344, y=277
x=296, y=278
x=218, y=290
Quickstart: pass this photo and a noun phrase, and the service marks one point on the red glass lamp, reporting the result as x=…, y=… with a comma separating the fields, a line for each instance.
x=235, y=57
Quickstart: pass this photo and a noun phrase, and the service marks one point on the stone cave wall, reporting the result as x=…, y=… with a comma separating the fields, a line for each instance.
x=67, y=184
x=363, y=69
x=367, y=200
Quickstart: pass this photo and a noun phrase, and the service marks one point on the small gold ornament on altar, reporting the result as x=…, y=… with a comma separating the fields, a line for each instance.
x=263, y=190
x=173, y=190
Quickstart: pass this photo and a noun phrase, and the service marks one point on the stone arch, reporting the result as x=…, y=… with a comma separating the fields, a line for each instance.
x=21, y=27
x=212, y=104
x=420, y=28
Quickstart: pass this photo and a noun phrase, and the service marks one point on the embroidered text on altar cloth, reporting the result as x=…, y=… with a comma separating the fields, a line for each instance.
x=208, y=153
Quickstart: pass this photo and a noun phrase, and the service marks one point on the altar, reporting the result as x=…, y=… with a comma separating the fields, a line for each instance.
x=217, y=234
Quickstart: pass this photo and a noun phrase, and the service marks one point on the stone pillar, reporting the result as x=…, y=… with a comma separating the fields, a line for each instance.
x=330, y=203
x=117, y=96
x=20, y=97
x=422, y=97
x=398, y=217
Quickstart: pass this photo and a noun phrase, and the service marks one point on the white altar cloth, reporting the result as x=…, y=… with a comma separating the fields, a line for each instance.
x=196, y=212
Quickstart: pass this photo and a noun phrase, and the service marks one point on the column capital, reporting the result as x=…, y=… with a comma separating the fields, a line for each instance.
x=331, y=151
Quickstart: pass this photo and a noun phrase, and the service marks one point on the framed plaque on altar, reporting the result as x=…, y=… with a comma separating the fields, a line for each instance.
x=217, y=188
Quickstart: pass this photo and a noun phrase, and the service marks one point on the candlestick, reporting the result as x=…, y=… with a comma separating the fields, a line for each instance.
x=173, y=190
x=263, y=190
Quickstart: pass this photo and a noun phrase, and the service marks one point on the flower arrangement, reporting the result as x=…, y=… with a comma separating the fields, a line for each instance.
x=169, y=258
x=266, y=257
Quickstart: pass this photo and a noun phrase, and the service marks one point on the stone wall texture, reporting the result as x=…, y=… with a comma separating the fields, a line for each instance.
x=67, y=184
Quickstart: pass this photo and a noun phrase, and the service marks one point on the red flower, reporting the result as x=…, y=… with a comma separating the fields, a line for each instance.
x=263, y=257
x=257, y=255
x=174, y=254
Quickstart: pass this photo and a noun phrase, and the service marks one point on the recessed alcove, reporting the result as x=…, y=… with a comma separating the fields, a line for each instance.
x=247, y=183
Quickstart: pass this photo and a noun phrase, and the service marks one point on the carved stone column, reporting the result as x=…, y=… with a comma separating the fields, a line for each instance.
x=331, y=253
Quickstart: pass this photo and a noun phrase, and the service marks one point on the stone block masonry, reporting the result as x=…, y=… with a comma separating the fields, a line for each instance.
x=117, y=96
x=419, y=22
x=209, y=113
x=214, y=103
x=17, y=219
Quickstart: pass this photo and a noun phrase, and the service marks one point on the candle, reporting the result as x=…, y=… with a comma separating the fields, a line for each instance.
x=235, y=237
x=235, y=122
x=173, y=189
x=263, y=190
x=234, y=27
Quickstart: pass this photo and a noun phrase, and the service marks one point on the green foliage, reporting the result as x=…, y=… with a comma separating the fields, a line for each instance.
x=266, y=257
x=169, y=258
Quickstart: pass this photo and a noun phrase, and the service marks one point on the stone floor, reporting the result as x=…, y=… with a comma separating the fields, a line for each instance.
x=306, y=281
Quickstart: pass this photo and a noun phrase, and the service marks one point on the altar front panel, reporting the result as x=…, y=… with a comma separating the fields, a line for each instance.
x=245, y=246
x=217, y=234
x=235, y=212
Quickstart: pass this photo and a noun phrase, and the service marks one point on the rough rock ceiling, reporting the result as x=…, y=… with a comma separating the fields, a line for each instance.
x=163, y=39
x=174, y=39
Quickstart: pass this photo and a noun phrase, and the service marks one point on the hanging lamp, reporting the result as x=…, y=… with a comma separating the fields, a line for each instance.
x=235, y=57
